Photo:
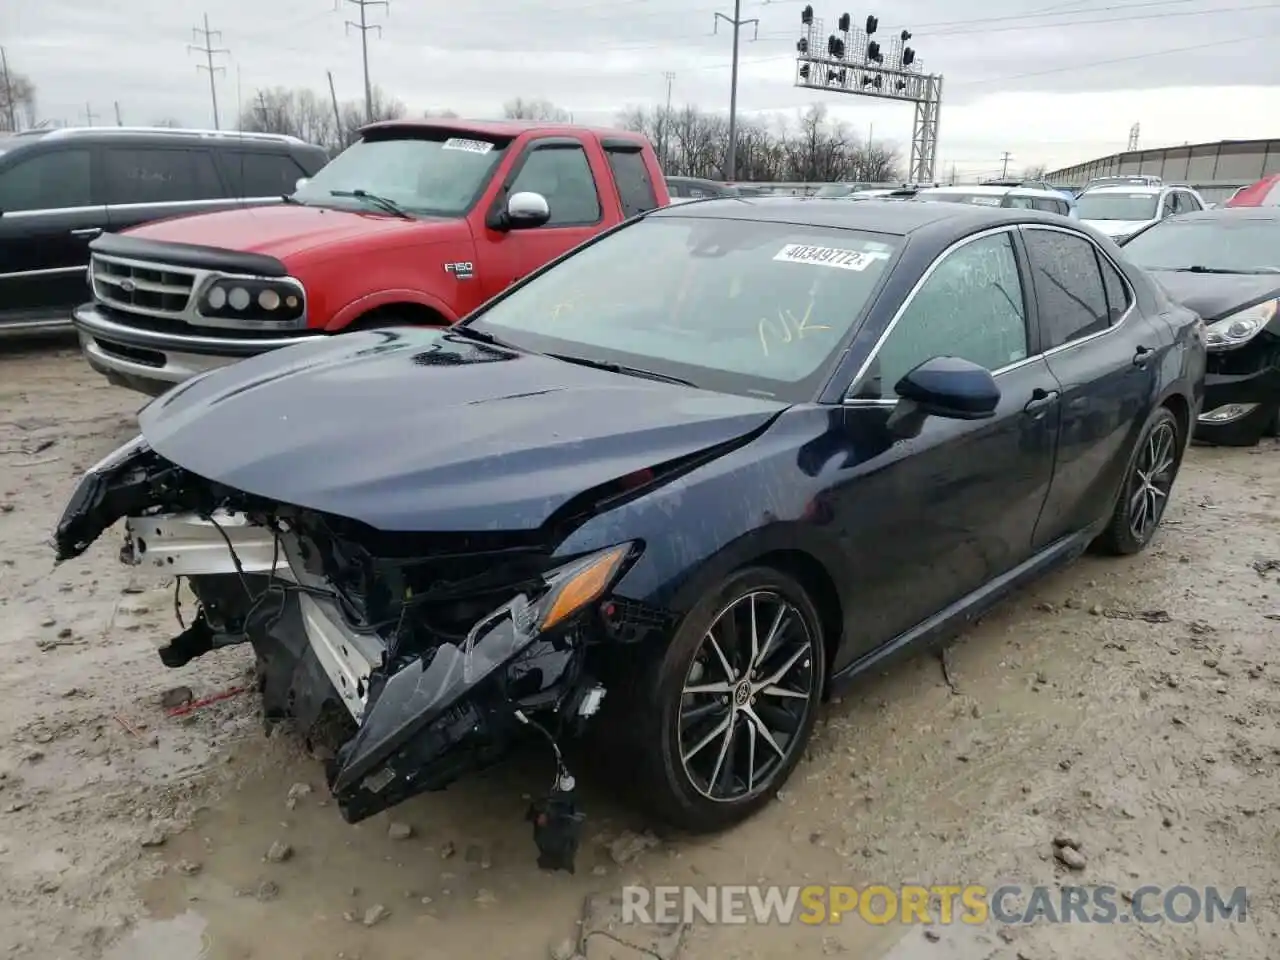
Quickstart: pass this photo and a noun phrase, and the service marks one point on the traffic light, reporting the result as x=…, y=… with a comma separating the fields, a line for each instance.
x=844, y=23
x=803, y=44
x=906, y=35
x=872, y=24
x=835, y=47
x=804, y=71
x=873, y=52
x=908, y=56
x=806, y=15
x=900, y=85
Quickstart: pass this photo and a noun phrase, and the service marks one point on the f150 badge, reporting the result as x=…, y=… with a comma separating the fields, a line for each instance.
x=462, y=270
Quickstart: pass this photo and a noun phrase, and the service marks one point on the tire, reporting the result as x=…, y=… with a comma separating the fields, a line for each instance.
x=1129, y=530
x=1245, y=432
x=683, y=794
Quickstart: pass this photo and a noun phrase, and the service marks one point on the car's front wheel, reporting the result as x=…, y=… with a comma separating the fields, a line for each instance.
x=732, y=702
x=1147, y=485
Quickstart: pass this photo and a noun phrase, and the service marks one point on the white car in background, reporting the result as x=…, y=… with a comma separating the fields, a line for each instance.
x=989, y=195
x=1121, y=211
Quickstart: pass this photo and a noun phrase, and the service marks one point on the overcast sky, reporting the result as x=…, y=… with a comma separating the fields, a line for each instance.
x=1043, y=80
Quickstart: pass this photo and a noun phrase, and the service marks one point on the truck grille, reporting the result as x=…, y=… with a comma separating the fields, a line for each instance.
x=157, y=290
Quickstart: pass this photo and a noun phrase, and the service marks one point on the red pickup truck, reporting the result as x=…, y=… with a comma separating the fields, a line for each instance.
x=419, y=222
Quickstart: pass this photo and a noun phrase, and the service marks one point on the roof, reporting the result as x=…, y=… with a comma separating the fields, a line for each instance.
x=990, y=190
x=893, y=217
x=1151, y=188
x=501, y=128
x=1231, y=213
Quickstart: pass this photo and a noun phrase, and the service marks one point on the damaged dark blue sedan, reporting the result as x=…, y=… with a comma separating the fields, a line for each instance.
x=677, y=486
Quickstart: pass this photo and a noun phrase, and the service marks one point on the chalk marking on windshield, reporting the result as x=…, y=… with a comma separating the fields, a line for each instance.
x=468, y=146
x=792, y=330
x=841, y=259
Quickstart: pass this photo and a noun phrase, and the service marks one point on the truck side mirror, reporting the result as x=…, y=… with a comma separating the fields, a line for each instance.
x=526, y=210
x=300, y=183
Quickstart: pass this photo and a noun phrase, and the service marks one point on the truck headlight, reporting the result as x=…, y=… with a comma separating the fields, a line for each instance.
x=248, y=298
x=1239, y=328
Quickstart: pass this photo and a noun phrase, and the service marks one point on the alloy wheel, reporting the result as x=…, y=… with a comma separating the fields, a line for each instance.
x=746, y=697
x=1152, y=479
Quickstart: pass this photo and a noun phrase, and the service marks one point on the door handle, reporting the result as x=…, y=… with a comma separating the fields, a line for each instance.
x=1040, y=400
x=87, y=232
x=1142, y=356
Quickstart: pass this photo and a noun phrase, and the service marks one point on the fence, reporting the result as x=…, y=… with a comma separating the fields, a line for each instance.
x=1215, y=169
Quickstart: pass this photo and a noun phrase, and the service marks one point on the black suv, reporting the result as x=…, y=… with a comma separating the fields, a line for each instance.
x=60, y=188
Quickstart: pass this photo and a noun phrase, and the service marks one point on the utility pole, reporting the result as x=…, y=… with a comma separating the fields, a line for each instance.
x=119, y=122
x=8, y=92
x=89, y=115
x=1133, y=137
x=209, y=50
x=1004, y=164
x=364, y=27
x=953, y=174
x=664, y=133
x=731, y=158
x=337, y=114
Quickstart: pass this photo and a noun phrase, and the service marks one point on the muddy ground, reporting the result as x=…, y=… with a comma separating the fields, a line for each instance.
x=1133, y=704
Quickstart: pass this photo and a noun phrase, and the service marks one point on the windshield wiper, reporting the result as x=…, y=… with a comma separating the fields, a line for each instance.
x=1200, y=268
x=471, y=333
x=388, y=206
x=612, y=367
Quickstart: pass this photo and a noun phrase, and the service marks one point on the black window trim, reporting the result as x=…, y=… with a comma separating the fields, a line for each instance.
x=550, y=143
x=1016, y=229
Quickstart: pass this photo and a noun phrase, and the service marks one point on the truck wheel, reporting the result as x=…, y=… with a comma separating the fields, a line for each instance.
x=395, y=317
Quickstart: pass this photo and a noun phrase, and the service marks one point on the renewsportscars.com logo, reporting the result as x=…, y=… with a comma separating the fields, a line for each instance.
x=935, y=904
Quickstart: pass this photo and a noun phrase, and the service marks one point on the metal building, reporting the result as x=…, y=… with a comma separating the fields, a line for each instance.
x=1215, y=169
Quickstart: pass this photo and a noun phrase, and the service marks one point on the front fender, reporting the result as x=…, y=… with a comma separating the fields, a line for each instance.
x=362, y=305
x=767, y=496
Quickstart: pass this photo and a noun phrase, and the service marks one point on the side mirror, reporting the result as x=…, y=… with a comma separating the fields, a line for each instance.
x=300, y=183
x=951, y=388
x=527, y=209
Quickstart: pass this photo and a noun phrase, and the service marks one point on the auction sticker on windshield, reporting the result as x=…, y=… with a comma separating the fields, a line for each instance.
x=470, y=146
x=830, y=256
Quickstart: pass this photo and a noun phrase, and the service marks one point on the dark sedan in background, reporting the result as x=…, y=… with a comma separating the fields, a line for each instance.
x=692, y=476
x=1225, y=265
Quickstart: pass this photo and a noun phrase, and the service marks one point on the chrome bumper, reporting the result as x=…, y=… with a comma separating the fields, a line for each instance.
x=150, y=361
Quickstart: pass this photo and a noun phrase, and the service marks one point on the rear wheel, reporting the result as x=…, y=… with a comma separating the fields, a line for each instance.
x=1147, y=485
x=731, y=703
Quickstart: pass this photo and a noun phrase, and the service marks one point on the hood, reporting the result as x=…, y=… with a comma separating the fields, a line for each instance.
x=1214, y=295
x=285, y=230
x=421, y=430
x=1117, y=228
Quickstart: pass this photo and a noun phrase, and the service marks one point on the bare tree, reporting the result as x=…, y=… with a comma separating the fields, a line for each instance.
x=169, y=123
x=535, y=109
x=17, y=102
x=308, y=114
x=1035, y=172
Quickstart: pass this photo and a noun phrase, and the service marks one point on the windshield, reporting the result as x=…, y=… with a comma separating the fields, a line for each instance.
x=730, y=305
x=1116, y=205
x=1240, y=246
x=432, y=175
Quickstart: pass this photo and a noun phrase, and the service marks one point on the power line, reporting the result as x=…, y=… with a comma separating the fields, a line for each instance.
x=364, y=27
x=730, y=163
x=209, y=50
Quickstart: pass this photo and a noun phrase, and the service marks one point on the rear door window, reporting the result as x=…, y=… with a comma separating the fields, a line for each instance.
x=160, y=175
x=257, y=174
x=1069, y=286
x=630, y=173
x=47, y=181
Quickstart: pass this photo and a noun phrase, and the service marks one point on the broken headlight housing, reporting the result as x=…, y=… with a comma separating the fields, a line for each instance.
x=1237, y=329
